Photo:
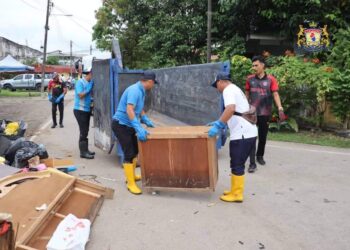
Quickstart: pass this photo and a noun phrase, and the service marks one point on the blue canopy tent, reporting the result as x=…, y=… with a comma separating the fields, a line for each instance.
x=9, y=64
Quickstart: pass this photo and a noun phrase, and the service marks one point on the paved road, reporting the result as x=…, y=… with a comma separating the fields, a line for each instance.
x=299, y=200
x=35, y=111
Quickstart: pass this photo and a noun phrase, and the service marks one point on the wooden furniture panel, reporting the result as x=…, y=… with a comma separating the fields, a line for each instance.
x=179, y=158
x=41, y=240
x=62, y=193
x=80, y=204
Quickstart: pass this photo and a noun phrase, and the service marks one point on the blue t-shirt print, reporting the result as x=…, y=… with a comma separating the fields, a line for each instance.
x=84, y=103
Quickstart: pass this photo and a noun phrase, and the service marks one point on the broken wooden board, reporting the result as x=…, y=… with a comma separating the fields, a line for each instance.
x=179, y=158
x=62, y=193
x=56, y=162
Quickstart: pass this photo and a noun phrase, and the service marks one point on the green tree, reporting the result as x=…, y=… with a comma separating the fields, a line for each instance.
x=52, y=60
x=126, y=20
x=241, y=67
x=340, y=89
x=303, y=86
x=232, y=47
x=155, y=33
x=30, y=61
x=259, y=16
x=177, y=34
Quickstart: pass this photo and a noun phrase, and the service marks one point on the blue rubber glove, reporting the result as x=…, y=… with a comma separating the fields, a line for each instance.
x=89, y=87
x=210, y=123
x=140, y=131
x=59, y=99
x=49, y=96
x=147, y=121
x=216, y=127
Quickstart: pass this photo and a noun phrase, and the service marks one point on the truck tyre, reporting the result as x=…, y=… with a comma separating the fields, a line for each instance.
x=38, y=87
x=9, y=87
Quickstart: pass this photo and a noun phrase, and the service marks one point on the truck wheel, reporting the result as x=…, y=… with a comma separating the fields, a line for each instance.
x=38, y=87
x=7, y=86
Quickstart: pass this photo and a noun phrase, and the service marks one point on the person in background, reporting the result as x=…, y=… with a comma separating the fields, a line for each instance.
x=63, y=78
x=56, y=92
x=261, y=89
x=82, y=112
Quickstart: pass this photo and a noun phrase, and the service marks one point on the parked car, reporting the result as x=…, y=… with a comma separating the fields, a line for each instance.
x=24, y=81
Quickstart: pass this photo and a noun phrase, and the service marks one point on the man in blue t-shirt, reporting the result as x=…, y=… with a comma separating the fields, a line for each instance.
x=82, y=111
x=126, y=125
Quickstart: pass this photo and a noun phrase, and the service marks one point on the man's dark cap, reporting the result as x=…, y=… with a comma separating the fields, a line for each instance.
x=221, y=76
x=149, y=75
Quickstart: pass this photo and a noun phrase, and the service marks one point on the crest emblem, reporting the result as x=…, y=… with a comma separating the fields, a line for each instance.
x=313, y=38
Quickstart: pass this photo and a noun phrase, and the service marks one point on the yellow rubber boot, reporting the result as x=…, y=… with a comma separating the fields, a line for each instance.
x=226, y=192
x=237, y=187
x=134, y=163
x=130, y=178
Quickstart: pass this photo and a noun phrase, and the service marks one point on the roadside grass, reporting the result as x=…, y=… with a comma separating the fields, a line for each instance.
x=318, y=138
x=18, y=93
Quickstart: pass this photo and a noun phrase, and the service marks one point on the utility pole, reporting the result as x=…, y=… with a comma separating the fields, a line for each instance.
x=209, y=33
x=49, y=5
x=90, y=49
x=71, y=55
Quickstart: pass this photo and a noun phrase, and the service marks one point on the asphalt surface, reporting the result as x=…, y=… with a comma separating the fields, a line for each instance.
x=299, y=200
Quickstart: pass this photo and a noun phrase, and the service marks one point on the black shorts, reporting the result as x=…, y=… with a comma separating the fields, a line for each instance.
x=127, y=139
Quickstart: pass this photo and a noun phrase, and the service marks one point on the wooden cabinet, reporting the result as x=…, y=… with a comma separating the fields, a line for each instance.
x=179, y=158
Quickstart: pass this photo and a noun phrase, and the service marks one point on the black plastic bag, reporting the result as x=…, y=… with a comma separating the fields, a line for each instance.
x=19, y=153
x=5, y=144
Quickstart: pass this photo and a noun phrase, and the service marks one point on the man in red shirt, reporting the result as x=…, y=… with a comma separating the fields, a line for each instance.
x=260, y=90
x=56, y=92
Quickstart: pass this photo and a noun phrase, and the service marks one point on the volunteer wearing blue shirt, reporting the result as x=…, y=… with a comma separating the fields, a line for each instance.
x=82, y=111
x=126, y=125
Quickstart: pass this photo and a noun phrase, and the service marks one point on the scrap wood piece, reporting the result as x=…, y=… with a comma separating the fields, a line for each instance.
x=57, y=190
x=23, y=199
x=106, y=192
x=56, y=162
x=20, y=177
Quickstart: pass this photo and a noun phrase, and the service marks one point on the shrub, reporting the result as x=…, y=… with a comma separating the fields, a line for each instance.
x=241, y=67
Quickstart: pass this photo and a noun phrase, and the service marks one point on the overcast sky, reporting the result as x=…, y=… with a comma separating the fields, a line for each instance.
x=23, y=21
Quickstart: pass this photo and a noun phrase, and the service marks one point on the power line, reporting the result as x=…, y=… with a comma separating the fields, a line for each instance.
x=61, y=36
x=72, y=19
x=30, y=5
